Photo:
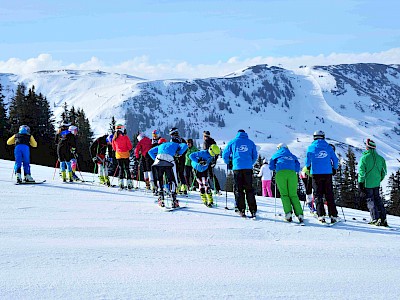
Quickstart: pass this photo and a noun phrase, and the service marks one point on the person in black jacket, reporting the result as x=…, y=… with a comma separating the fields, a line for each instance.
x=66, y=149
x=101, y=151
x=208, y=141
x=180, y=161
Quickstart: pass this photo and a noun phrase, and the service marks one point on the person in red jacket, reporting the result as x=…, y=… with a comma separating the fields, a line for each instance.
x=144, y=145
x=122, y=146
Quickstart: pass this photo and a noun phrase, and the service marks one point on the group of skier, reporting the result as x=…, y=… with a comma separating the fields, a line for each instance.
x=169, y=167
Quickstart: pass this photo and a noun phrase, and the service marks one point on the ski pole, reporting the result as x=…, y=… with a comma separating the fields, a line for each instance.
x=55, y=168
x=275, y=196
x=216, y=198
x=344, y=217
x=115, y=172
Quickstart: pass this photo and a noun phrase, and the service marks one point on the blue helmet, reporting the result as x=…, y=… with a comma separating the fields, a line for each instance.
x=24, y=129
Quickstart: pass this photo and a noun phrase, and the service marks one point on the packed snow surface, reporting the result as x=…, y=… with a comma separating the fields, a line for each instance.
x=84, y=241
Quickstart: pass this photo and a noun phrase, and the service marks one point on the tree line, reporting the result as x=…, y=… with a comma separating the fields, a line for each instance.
x=27, y=107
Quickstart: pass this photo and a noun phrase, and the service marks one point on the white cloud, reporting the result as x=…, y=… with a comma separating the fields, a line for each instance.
x=143, y=67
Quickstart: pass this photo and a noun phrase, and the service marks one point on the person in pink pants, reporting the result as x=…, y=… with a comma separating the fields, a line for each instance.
x=265, y=174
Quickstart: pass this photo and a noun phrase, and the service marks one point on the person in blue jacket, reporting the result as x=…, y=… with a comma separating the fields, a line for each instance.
x=22, y=140
x=286, y=165
x=164, y=161
x=201, y=161
x=322, y=162
x=241, y=153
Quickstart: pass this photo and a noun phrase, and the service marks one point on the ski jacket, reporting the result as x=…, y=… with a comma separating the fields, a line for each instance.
x=24, y=139
x=265, y=172
x=188, y=161
x=321, y=158
x=122, y=146
x=101, y=147
x=143, y=147
x=241, y=151
x=65, y=141
x=201, y=160
x=372, y=169
x=283, y=159
x=169, y=148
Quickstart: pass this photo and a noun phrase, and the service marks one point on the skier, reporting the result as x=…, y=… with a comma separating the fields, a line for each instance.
x=141, y=150
x=188, y=162
x=180, y=161
x=100, y=150
x=66, y=149
x=322, y=161
x=286, y=165
x=163, y=156
x=307, y=181
x=265, y=174
x=242, y=153
x=122, y=146
x=74, y=162
x=22, y=140
x=208, y=141
x=201, y=161
x=372, y=170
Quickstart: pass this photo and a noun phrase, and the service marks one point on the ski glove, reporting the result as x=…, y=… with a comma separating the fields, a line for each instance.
x=361, y=190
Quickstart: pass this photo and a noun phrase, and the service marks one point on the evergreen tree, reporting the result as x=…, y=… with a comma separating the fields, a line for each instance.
x=4, y=134
x=349, y=188
x=15, y=110
x=112, y=124
x=84, y=140
x=393, y=206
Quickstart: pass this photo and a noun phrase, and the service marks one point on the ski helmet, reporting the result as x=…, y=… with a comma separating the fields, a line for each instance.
x=162, y=141
x=140, y=136
x=206, y=133
x=319, y=135
x=173, y=131
x=24, y=129
x=120, y=127
x=214, y=150
x=281, y=145
x=370, y=144
x=73, y=129
x=155, y=134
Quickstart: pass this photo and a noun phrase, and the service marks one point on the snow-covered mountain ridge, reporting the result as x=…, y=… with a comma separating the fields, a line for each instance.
x=349, y=102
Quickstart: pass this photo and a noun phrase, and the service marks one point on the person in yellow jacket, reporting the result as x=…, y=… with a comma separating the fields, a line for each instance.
x=22, y=140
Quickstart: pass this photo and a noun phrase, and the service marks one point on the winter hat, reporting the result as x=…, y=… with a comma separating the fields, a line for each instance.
x=206, y=133
x=370, y=144
x=241, y=130
x=73, y=129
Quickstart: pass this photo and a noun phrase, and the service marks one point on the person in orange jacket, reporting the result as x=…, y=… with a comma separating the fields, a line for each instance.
x=122, y=146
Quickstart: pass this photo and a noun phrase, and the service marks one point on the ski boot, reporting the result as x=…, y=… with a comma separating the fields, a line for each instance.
x=301, y=219
x=184, y=189
x=288, y=217
x=253, y=214
x=175, y=202
x=161, y=198
x=242, y=213
x=121, y=184
x=19, y=178
x=147, y=181
x=209, y=198
x=70, y=177
x=28, y=178
x=129, y=184
x=76, y=178
x=107, y=181
x=384, y=223
x=204, y=198
x=322, y=219
x=64, y=176
x=334, y=219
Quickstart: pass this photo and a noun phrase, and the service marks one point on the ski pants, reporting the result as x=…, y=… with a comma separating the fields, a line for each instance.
x=22, y=156
x=266, y=188
x=322, y=185
x=287, y=182
x=65, y=165
x=180, y=169
x=189, y=175
x=307, y=181
x=375, y=205
x=170, y=176
x=204, y=181
x=123, y=166
x=243, y=188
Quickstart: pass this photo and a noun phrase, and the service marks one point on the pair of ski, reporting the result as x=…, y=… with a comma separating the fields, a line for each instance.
x=246, y=216
x=30, y=182
x=291, y=222
x=166, y=208
x=365, y=221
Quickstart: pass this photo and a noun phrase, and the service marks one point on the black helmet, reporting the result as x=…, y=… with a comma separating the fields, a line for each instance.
x=319, y=135
x=173, y=131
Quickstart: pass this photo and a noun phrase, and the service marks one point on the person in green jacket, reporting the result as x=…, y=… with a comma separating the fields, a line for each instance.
x=188, y=162
x=372, y=170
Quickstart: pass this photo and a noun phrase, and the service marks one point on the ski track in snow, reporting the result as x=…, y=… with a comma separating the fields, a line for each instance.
x=84, y=241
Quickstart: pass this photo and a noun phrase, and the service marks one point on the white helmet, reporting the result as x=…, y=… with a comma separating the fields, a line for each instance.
x=73, y=129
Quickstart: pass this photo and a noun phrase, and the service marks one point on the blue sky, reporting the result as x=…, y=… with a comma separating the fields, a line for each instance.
x=184, y=38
